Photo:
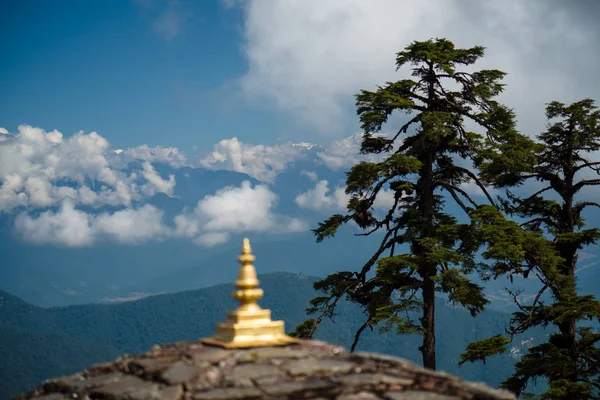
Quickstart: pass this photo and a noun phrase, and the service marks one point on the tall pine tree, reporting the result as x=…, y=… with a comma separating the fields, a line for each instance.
x=570, y=359
x=420, y=166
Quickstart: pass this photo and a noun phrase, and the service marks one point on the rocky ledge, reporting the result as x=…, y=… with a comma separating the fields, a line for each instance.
x=309, y=370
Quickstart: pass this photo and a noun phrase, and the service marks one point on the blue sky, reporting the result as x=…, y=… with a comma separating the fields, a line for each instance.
x=189, y=73
x=234, y=85
x=106, y=66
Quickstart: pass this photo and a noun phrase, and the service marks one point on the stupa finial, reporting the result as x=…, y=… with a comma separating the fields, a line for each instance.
x=249, y=325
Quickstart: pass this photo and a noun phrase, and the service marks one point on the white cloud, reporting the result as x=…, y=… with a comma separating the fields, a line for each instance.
x=238, y=208
x=261, y=162
x=234, y=210
x=310, y=175
x=310, y=57
x=321, y=198
x=265, y=163
x=155, y=183
x=166, y=155
x=231, y=210
x=344, y=153
x=42, y=169
x=212, y=239
x=79, y=157
x=132, y=225
x=67, y=226
x=472, y=189
x=186, y=225
x=39, y=169
x=75, y=228
x=385, y=200
x=243, y=209
x=3, y=131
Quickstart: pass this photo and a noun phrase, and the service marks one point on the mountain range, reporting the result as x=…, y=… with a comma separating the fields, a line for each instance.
x=66, y=302
x=50, y=275
x=39, y=343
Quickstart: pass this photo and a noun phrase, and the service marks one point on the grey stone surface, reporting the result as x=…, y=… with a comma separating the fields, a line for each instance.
x=209, y=356
x=312, y=366
x=418, y=395
x=180, y=372
x=52, y=396
x=308, y=370
x=84, y=384
x=295, y=387
x=252, y=372
x=359, y=396
x=373, y=379
x=230, y=394
x=128, y=387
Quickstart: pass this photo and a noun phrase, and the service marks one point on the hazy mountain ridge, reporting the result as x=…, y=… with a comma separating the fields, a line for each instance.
x=28, y=357
x=57, y=275
x=49, y=275
x=135, y=326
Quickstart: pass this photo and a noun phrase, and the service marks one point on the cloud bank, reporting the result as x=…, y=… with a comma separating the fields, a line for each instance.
x=75, y=228
x=325, y=200
x=310, y=57
x=40, y=169
x=235, y=210
x=52, y=183
x=231, y=210
x=262, y=162
x=265, y=162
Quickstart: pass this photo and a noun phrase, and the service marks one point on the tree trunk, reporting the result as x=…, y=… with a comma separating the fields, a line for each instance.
x=568, y=329
x=427, y=271
x=428, y=348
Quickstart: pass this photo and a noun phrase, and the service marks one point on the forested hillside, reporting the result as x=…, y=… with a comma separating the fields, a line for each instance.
x=43, y=343
x=31, y=357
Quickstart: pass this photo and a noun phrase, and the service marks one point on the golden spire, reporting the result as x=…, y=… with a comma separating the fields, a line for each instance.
x=249, y=325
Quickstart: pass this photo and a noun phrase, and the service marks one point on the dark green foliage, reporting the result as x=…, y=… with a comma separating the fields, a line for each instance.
x=304, y=330
x=39, y=344
x=420, y=166
x=27, y=358
x=482, y=349
x=570, y=360
x=554, y=361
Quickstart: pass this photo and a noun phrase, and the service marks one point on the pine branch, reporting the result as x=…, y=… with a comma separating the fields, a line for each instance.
x=580, y=206
x=555, y=181
x=358, y=333
x=536, y=222
x=588, y=164
x=329, y=308
x=589, y=182
x=478, y=183
x=452, y=190
x=404, y=129
x=515, y=296
x=522, y=326
x=385, y=244
x=335, y=298
x=535, y=195
x=387, y=219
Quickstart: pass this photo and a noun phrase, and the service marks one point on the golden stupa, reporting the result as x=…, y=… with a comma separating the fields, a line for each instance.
x=249, y=325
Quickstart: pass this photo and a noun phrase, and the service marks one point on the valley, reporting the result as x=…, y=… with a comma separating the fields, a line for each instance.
x=43, y=343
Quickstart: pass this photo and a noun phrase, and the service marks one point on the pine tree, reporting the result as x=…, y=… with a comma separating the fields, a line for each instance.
x=419, y=167
x=570, y=359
